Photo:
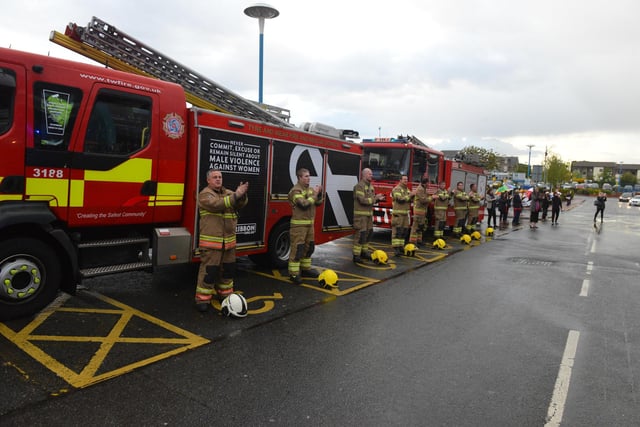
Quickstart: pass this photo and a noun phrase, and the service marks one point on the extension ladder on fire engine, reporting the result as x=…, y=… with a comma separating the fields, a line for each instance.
x=104, y=43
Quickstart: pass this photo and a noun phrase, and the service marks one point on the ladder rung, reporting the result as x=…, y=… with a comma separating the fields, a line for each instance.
x=105, y=37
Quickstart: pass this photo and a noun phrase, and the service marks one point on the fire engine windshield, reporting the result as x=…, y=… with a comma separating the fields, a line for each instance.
x=7, y=95
x=387, y=163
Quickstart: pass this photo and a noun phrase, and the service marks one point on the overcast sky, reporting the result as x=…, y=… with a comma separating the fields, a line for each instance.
x=500, y=74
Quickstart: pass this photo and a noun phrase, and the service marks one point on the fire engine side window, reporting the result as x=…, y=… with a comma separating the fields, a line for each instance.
x=419, y=166
x=119, y=123
x=433, y=168
x=7, y=96
x=56, y=108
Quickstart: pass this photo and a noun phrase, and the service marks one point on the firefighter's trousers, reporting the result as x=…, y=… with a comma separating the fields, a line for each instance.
x=302, y=246
x=364, y=229
x=441, y=220
x=417, y=228
x=399, y=229
x=216, y=273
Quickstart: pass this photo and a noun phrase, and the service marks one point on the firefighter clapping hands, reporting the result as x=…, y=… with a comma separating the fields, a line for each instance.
x=303, y=200
x=218, y=209
x=242, y=189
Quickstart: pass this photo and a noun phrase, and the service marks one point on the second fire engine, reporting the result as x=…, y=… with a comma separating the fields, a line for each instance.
x=391, y=158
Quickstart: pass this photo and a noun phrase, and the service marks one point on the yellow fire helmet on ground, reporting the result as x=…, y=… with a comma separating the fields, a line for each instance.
x=488, y=232
x=465, y=239
x=328, y=279
x=409, y=249
x=476, y=235
x=379, y=257
x=439, y=243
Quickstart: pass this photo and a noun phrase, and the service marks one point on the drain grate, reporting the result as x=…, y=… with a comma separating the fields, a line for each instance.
x=531, y=261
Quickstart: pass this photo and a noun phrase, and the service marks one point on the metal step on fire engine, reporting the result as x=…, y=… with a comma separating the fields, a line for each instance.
x=111, y=47
x=98, y=258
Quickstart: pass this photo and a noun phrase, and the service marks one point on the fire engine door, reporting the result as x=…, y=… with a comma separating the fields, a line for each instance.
x=112, y=168
x=55, y=111
x=12, y=131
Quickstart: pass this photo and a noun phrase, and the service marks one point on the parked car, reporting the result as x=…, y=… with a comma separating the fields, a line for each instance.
x=635, y=201
x=625, y=197
x=606, y=186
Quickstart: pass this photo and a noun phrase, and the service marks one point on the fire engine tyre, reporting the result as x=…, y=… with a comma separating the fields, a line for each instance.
x=279, y=245
x=279, y=248
x=30, y=276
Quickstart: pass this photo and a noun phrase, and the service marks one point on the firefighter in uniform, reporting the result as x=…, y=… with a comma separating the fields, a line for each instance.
x=474, y=207
x=218, y=208
x=364, y=198
x=401, y=197
x=440, y=205
x=303, y=201
x=421, y=202
x=460, y=205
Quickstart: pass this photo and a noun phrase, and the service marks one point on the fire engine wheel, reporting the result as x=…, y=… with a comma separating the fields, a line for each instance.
x=279, y=248
x=279, y=245
x=29, y=277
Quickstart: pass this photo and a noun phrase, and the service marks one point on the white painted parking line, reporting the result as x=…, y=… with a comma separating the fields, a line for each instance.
x=561, y=388
x=584, y=292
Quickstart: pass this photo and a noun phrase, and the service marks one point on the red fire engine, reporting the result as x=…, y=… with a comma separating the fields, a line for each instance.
x=101, y=168
x=391, y=158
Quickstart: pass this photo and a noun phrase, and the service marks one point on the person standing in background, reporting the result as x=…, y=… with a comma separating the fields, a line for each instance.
x=492, y=202
x=516, y=202
x=503, y=208
x=535, y=207
x=600, y=205
x=556, y=206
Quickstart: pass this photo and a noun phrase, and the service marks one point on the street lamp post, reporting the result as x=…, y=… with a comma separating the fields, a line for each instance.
x=261, y=11
x=544, y=175
x=620, y=173
x=529, y=164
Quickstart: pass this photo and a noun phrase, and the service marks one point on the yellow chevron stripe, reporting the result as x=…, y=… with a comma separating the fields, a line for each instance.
x=133, y=170
x=53, y=190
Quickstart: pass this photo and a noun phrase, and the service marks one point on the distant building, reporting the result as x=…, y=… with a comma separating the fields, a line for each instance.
x=594, y=170
x=508, y=164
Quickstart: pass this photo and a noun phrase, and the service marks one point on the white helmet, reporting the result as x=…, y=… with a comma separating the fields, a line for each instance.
x=234, y=305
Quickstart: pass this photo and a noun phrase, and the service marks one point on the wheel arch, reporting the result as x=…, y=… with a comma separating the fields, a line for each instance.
x=35, y=220
x=270, y=258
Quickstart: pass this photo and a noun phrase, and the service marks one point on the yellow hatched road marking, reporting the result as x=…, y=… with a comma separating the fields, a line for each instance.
x=268, y=303
x=360, y=281
x=27, y=341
